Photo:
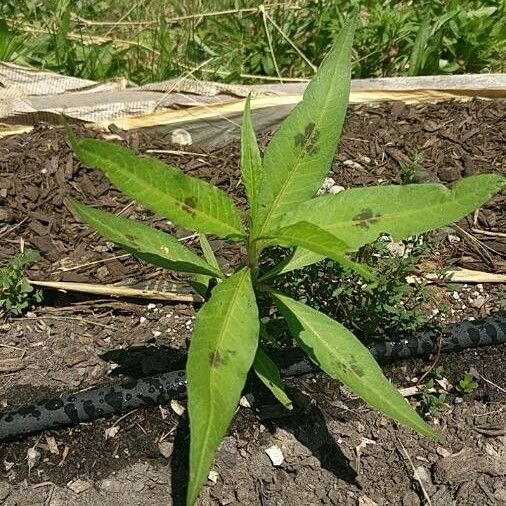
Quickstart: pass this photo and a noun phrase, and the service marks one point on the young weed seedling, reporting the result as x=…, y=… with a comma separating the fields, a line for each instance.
x=16, y=294
x=280, y=187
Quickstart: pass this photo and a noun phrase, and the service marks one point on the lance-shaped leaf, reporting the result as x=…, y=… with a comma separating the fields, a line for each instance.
x=360, y=215
x=201, y=282
x=319, y=241
x=268, y=373
x=298, y=259
x=342, y=356
x=151, y=245
x=222, y=350
x=300, y=153
x=251, y=161
x=185, y=200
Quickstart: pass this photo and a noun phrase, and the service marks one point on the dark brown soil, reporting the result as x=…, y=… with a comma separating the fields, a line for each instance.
x=336, y=450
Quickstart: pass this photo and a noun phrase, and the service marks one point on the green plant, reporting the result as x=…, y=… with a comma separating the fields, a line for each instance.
x=433, y=401
x=388, y=307
x=412, y=172
x=280, y=187
x=16, y=294
x=467, y=385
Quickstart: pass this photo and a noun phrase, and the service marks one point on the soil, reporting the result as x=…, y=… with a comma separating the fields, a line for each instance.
x=336, y=450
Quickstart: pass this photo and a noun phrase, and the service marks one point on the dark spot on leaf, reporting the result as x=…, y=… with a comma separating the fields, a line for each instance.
x=308, y=140
x=189, y=204
x=357, y=370
x=215, y=359
x=366, y=218
x=132, y=239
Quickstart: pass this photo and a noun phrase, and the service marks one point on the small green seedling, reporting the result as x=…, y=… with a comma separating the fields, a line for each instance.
x=280, y=187
x=467, y=385
x=16, y=294
x=433, y=401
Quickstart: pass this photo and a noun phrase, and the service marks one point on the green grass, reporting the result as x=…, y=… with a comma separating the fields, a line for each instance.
x=394, y=38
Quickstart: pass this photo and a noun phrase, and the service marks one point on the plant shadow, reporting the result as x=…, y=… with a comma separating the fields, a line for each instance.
x=306, y=422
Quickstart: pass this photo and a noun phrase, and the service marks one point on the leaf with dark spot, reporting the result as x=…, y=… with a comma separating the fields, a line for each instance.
x=366, y=218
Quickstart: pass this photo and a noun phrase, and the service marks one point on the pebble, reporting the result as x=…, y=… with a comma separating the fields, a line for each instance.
x=78, y=486
x=213, y=476
x=479, y=302
x=247, y=400
x=165, y=448
x=177, y=407
x=275, y=454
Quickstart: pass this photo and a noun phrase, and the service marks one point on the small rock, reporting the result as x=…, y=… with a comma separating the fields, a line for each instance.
x=213, y=476
x=452, y=238
x=78, y=486
x=247, y=400
x=5, y=490
x=352, y=164
x=479, y=302
x=449, y=174
x=33, y=457
x=165, y=448
x=177, y=407
x=442, y=452
x=112, y=431
x=6, y=215
x=275, y=454
x=334, y=190
x=102, y=273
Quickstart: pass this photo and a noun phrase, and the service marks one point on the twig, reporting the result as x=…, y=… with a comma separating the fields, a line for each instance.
x=283, y=34
x=96, y=262
x=475, y=373
x=269, y=41
x=488, y=232
x=118, y=291
x=64, y=318
x=460, y=276
x=9, y=230
x=415, y=474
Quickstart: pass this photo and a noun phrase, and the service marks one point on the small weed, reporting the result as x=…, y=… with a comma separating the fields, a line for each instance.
x=388, y=307
x=467, y=385
x=16, y=294
x=433, y=402
x=412, y=172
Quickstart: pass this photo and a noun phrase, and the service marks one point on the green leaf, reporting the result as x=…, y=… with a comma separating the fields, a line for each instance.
x=222, y=350
x=319, y=241
x=360, y=215
x=268, y=373
x=342, y=356
x=298, y=259
x=153, y=246
x=185, y=200
x=300, y=152
x=208, y=252
x=251, y=161
x=201, y=282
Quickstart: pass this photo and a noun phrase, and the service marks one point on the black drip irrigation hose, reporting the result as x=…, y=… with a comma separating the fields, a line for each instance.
x=71, y=409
